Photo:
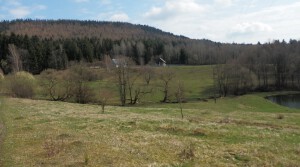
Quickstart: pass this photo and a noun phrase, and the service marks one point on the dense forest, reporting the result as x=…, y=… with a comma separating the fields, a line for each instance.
x=36, y=45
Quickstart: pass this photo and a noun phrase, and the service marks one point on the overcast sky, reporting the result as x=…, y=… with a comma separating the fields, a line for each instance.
x=241, y=21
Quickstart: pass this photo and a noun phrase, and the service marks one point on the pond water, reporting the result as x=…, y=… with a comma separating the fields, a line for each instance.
x=292, y=101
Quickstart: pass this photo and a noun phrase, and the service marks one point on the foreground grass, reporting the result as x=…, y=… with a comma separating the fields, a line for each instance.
x=243, y=131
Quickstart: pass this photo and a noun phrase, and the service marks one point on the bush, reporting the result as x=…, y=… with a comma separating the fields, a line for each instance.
x=56, y=84
x=86, y=73
x=82, y=92
x=25, y=75
x=21, y=84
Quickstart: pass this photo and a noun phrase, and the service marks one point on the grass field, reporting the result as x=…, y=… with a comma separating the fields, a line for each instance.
x=197, y=81
x=235, y=131
x=242, y=131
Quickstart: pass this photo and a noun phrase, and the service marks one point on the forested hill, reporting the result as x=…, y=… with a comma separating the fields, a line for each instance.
x=43, y=44
x=36, y=45
x=81, y=29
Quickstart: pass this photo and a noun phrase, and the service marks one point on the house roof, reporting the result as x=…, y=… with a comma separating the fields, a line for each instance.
x=162, y=60
x=118, y=61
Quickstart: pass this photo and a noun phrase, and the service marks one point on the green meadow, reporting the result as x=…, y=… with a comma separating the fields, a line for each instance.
x=245, y=130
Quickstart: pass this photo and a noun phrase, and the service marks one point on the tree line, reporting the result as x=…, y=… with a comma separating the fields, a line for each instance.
x=267, y=67
x=37, y=54
x=34, y=46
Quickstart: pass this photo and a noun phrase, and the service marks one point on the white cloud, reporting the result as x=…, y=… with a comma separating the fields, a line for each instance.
x=251, y=27
x=13, y=2
x=238, y=22
x=224, y=3
x=15, y=9
x=273, y=22
x=172, y=9
x=40, y=7
x=20, y=12
x=119, y=17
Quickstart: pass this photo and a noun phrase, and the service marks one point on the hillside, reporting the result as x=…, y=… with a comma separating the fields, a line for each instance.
x=44, y=44
x=81, y=29
x=243, y=131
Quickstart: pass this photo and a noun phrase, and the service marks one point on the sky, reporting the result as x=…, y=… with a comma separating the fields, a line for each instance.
x=239, y=21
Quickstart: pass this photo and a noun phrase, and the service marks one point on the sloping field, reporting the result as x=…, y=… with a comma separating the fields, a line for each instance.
x=242, y=131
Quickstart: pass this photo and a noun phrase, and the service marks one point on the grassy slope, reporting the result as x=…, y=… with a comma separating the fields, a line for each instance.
x=235, y=132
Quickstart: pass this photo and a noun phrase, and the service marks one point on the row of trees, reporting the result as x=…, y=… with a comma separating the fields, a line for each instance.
x=273, y=66
x=77, y=84
x=35, y=54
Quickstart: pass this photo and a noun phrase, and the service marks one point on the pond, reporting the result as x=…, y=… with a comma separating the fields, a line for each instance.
x=292, y=101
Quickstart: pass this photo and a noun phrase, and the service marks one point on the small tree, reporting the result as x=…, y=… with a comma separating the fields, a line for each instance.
x=105, y=96
x=82, y=92
x=148, y=74
x=15, y=58
x=136, y=89
x=21, y=84
x=107, y=62
x=121, y=70
x=57, y=84
x=166, y=76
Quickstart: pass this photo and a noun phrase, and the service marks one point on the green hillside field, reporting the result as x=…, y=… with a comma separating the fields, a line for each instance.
x=235, y=131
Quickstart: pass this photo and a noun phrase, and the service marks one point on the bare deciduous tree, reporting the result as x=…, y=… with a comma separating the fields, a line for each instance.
x=136, y=90
x=121, y=70
x=107, y=62
x=166, y=76
x=105, y=96
x=82, y=92
x=140, y=47
x=15, y=58
x=58, y=85
x=148, y=74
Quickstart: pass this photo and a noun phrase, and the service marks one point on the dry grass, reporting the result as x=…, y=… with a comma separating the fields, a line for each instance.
x=43, y=133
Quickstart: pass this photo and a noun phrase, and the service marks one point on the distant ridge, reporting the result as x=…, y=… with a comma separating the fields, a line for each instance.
x=65, y=29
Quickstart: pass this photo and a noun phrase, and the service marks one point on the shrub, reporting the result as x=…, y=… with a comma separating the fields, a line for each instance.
x=57, y=84
x=86, y=73
x=25, y=75
x=82, y=92
x=21, y=84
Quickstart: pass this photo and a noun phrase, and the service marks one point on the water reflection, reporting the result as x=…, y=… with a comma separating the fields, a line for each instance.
x=292, y=101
